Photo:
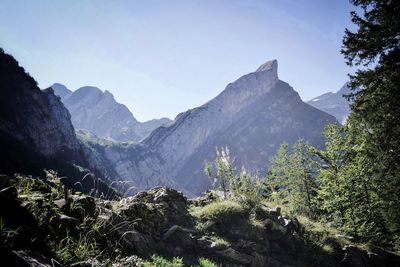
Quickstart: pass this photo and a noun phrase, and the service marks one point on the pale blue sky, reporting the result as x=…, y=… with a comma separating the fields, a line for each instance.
x=163, y=57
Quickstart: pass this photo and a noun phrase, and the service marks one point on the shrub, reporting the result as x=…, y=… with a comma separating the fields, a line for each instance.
x=158, y=261
x=206, y=263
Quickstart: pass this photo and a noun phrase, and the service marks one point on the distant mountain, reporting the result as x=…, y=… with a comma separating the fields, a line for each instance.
x=252, y=116
x=97, y=111
x=61, y=90
x=333, y=103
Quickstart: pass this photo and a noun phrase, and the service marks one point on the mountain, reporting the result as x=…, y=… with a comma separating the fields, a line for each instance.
x=252, y=116
x=333, y=103
x=36, y=132
x=97, y=111
x=60, y=90
x=34, y=117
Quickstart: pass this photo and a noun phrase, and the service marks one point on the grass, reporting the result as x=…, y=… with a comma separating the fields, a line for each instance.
x=220, y=242
x=220, y=211
x=158, y=261
x=319, y=232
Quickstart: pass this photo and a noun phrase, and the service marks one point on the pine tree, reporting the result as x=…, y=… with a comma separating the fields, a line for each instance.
x=291, y=179
x=375, y=47
x=276, y=182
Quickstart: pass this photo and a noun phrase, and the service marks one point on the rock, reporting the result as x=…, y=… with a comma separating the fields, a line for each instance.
x=87, y=263
x=250, y=247
x=5, y=181
x=355, y=257
x=205, y=244
x=128, y=262
x=170, y=231
x=60, y=203
x=133, y=240
x=234, y=256
x=27, y=258
x=66, y=222
x=179, y=238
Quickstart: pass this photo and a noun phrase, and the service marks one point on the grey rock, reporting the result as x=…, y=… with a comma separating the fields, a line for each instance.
x=234, y=256
x=27, y=258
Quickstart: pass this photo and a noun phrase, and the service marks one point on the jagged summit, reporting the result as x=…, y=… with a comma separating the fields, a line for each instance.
x=271, y=65
x=60, y=89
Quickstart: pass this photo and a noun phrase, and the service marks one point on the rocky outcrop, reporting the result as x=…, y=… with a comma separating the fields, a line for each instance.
x=96, y=111
x=334, y=103
x=161, y=221
x=252, y=116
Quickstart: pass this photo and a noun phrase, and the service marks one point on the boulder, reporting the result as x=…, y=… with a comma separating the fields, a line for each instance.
x=28, y=258
x=234, y=256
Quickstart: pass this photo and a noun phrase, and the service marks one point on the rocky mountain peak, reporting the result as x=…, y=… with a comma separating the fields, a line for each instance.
x=60, y=90
x=271, y=65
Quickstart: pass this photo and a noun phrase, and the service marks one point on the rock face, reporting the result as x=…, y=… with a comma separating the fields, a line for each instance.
x=36, y=118
x=98, y=112
x=36, y=132
x=334, y=103
x=252, y=117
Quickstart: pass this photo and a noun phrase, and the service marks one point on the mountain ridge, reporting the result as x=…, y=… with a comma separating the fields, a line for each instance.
x=97, y=111
x=334, y=103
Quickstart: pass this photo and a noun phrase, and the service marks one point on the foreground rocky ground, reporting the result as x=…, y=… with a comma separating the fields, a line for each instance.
x=42, y=224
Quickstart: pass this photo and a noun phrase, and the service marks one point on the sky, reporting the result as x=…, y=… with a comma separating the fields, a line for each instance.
x=160, y=58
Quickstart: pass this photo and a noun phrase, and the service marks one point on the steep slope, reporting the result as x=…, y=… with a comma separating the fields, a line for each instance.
x=34, y=117
x=36, y=132
x=252, y=116
x=333, y=103
x=98, y=112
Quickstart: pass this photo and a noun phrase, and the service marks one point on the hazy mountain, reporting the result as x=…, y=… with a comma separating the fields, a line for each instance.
x=61, y=90
x=252, y=116
x=334, y=103
x=97, y=111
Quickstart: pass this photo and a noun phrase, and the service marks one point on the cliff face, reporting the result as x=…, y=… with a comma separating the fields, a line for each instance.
x=36, y=118
x=252, y=116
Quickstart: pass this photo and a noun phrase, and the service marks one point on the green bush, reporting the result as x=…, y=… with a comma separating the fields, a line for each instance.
x=206, y=263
